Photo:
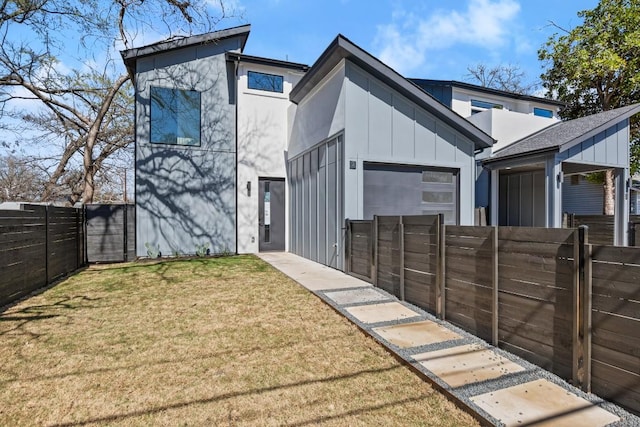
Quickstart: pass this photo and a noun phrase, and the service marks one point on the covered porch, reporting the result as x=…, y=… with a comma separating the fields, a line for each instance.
x=527, y=176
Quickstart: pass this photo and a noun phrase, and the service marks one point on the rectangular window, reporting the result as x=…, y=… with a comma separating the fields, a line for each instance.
x=175, y=116
x=485, y=104
x=542, y=112
x=266, y=82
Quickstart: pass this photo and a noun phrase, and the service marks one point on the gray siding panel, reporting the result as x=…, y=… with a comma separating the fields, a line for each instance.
x=522, y=199
x=582, y=197
x=186, y=196
x=313, y=207
x=608, y=148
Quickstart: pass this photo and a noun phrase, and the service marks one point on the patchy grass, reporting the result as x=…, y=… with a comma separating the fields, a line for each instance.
x=219, y=341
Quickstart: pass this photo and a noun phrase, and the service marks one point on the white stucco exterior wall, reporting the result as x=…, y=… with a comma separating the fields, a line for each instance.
x=508, y=126
x=461, y=103
x=262, y=144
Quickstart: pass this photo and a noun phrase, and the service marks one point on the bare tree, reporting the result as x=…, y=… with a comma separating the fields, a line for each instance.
x=86, y=112
x=19, y=182
x=508, y=77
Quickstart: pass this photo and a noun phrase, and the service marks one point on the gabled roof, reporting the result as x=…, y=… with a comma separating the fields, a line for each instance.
x=487, y=90
x=565, y=134
x=342, y=48
x=129, y=56
x=234, y=56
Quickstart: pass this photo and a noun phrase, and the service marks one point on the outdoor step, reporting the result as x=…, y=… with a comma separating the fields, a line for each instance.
x=376, y=313
x=416, y=334
x=356, y=296
x=466, y=364
x=542, y=403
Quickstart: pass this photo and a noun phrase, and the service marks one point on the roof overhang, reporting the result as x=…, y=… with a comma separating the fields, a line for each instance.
x=131, y=55
x=490, y=91
x=239, y=57
x=554, y=138
x=342, y=48
x=519, y=159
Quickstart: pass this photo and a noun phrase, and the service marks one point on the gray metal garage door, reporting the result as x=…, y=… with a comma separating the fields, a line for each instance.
x=410, y=190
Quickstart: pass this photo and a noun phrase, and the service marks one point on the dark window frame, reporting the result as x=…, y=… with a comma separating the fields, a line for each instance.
x=260, y=79
x=177, y=116
x=543, y=112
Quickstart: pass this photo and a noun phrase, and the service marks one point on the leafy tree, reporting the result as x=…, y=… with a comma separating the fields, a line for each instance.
x=596, y=67
x=509, y=78
x=62, y=56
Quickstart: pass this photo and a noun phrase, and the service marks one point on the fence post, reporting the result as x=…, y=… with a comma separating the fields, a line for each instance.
x=401, y=236
x=347, y=245
x=586, y=287
x=78, y=244
x=579, y=298
x=494, y=286
x=575, y=311
x=374, y=273
x=46, y=243
x=440, y=276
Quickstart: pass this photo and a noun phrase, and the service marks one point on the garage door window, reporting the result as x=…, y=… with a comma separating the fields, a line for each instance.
x=410, y=190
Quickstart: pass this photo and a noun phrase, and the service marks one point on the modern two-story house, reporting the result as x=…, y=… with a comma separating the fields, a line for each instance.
x=243, y=154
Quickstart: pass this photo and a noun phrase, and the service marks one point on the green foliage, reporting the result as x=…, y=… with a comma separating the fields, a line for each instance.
x=596, y=66
x=202, y=250
x=153, y=251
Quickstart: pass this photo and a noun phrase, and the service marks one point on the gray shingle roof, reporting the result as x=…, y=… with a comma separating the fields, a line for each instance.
x=559, y=134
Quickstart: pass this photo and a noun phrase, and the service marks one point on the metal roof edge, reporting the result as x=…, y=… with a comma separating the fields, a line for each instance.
x=234, y=56
x=471, y=86
x=342, y=48
x=129, y=56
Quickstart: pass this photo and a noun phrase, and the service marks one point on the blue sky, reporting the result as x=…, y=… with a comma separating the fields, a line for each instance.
x=427, y=39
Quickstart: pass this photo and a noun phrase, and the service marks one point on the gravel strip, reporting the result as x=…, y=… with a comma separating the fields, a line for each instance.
x=464, y=393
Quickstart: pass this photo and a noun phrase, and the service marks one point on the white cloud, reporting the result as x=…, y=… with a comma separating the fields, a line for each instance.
x=404, y=44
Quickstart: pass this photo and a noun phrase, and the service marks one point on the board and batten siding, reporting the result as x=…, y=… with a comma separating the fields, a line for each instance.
x=185, y=195
x=607, y=148
x=381, y=125
x=582, y=197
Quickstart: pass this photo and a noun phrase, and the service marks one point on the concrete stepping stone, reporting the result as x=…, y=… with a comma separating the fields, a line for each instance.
x=385, y=312
x=355, y=296
x=466, y=364
x=416, y=334
x=542, y=403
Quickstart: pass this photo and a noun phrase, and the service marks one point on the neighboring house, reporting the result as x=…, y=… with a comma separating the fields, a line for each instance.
x=224, y=141
x=527, y=176
x=506, y=116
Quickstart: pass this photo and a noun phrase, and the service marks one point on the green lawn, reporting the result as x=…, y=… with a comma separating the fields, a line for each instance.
x=217, y=341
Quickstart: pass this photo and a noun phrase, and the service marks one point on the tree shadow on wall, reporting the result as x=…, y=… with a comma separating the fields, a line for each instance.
x=185, y=194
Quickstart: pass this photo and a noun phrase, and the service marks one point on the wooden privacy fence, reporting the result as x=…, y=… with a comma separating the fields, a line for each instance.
x=527, y=290
x=110, y=232
x=38, y=244
x=602, y=227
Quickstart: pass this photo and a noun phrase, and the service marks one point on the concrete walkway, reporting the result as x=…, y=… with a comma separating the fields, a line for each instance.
x=497, y=387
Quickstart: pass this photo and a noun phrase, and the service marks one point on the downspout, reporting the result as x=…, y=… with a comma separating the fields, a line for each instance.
x=235, y=95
